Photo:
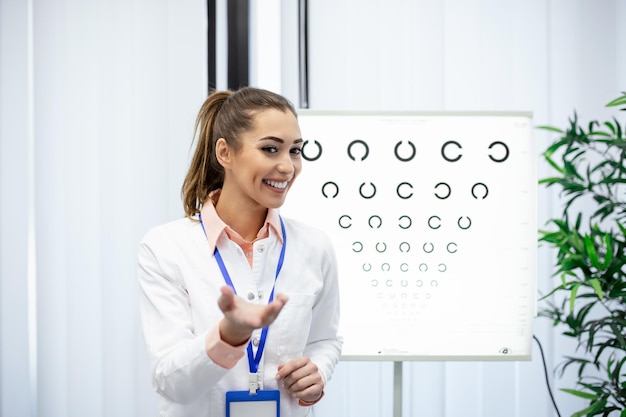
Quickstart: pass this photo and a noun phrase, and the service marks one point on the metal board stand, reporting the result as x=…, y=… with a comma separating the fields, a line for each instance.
x=397, y=388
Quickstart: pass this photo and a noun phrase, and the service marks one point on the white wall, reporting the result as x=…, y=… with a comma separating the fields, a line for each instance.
x=97, y=103
x=16, y=138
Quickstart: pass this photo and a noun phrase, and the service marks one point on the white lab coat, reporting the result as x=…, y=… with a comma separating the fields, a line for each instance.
x=179, y=285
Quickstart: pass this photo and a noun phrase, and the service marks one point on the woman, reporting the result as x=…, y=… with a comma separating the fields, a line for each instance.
x=274, y=327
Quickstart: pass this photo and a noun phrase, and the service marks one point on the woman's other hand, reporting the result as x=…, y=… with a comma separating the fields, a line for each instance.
x=302, y=379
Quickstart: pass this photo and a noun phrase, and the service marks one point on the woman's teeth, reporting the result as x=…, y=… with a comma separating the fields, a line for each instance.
x=275, y=184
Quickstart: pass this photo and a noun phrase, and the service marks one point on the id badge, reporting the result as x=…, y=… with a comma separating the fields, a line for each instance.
x=265, y=403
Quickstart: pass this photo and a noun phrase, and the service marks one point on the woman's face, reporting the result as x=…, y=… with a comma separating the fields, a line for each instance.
x=263, y=169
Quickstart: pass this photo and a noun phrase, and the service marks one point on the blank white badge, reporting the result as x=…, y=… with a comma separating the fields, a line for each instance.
x=265, y=403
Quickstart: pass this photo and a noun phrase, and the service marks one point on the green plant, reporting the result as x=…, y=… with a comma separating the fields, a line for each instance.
x=590, y=257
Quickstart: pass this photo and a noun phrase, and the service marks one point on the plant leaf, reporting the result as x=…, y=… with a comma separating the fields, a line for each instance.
x=591, y=251
x=619, y=101
x=572, y=297
x=610, y=126
x=581, y=394
x=608, y=257
x=550, y=128
x=597, y=287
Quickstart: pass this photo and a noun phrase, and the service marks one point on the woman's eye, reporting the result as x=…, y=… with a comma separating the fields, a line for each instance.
x=296, y=151
x=269, y=149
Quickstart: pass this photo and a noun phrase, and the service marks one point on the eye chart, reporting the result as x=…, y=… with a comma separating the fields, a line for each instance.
x=433, y=218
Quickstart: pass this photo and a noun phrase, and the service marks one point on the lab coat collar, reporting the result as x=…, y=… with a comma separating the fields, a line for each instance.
x=214, y=226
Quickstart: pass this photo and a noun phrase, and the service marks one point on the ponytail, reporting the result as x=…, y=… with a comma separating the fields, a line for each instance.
x=205, y=174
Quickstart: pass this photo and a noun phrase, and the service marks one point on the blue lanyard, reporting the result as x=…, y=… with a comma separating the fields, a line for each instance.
x=253, y=361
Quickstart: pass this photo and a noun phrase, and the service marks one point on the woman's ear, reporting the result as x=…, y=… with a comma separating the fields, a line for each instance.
x=222, y=152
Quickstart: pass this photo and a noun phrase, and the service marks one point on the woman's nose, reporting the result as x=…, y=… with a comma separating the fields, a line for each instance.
x=286, y=164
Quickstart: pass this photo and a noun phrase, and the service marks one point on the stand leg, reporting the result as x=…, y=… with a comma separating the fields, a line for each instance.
x=397, y=389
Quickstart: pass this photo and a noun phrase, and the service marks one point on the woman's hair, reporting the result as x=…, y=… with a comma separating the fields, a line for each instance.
x=224, y=114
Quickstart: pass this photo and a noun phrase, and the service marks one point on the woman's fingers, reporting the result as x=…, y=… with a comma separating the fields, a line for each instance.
x=302, y=378
x=248, y=316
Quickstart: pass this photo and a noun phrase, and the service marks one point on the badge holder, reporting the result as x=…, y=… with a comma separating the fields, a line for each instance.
x=253, y=403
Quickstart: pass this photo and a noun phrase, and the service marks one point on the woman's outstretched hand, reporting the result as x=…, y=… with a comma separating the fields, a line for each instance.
x=241, y=318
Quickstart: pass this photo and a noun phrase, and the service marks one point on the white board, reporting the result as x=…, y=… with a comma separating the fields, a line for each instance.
x=434, y=221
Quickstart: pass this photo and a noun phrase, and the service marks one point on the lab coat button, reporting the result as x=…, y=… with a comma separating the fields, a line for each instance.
x=261, y=249
x=250, y=296
x=255, y=341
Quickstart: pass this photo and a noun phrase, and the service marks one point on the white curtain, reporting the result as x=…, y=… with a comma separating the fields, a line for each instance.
x=98, y=104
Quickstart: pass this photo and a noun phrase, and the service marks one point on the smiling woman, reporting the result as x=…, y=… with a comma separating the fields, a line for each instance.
x=247, y=158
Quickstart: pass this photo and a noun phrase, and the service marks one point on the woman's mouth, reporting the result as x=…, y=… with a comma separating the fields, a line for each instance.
x=281, y=185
